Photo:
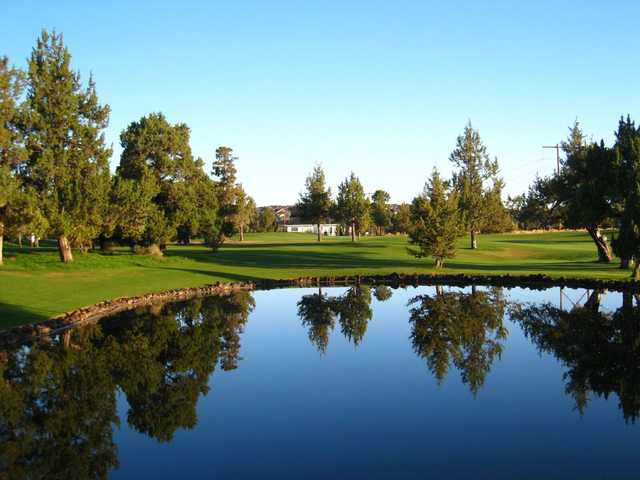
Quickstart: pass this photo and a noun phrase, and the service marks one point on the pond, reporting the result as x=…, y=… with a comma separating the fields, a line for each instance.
x=357, y=382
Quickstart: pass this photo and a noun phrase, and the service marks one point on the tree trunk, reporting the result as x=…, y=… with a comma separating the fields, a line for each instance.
x=474, y=240
x=20, y=240
x=242, y=233
x=604, y=250
x=1, y=244
x=593, y=302
x=64, y=249
x=636, y=271
x=319, y=237
x=625, y=263
x=353, y=232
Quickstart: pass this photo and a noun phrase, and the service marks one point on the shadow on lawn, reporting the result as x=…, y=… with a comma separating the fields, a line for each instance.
x=555, y=267
x=14, y=315
x=542, y=244
x=300, y=259
x=342, y=243
x=222, y=276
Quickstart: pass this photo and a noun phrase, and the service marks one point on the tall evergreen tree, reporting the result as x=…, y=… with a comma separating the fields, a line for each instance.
x=585, y=187
x=228, y=191
x=401, y=219
x=12, y=151
x=352, y=206
x=315, y=203
x=245, y=211
x=437, y=222
x=627, y=194
x=380, y=210
x=473, y=180
x=68, y=160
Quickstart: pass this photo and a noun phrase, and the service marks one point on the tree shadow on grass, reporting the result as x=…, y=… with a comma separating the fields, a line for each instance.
x=537, y=241
x=554, y=267
x=222, y=276
x=342, y=243
x=282, y=259
x=14, y=315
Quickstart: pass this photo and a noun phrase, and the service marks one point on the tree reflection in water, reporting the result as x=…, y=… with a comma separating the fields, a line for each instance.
x=382, y=293
x=600, y=350
x=57, y=397
x=463, y=329
x=318, y=313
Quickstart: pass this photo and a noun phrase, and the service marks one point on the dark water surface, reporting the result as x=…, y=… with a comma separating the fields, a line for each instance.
x=427, y=382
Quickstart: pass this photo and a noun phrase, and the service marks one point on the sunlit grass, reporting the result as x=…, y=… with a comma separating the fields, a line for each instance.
x=35, y=285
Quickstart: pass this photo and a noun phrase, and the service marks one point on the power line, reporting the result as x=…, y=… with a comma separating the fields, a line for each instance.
x=557, y=147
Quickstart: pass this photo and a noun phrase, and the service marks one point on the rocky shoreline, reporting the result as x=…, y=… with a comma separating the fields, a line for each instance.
x=109, y=307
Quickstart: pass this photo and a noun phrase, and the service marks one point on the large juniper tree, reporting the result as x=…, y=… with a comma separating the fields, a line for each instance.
x=157, y=154
x=68, y=160
x=315, y=203
x=585, y=187
x=474, y=180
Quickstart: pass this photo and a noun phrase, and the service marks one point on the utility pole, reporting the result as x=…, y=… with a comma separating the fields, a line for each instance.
x=557, y=147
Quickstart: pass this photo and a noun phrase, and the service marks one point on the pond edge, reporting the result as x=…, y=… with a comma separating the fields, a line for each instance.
x=97, y=311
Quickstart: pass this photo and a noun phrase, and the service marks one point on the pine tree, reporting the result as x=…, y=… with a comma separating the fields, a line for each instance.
x=245, y=211
x=380, y=210
x=401, y=219
x=68, y=160
x=437, y=222
x=315, y=203
x=12, y=152
x=352, y=206
x=228, y=193
x=475, y=171
x=627, y=194
x=585, y=187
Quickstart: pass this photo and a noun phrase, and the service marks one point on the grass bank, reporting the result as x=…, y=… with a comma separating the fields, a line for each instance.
x=34, y=285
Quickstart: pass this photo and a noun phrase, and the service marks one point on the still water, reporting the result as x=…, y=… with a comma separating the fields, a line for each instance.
x=360, y=382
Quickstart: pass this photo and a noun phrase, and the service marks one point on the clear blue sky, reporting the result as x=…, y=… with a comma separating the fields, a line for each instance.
x=378, y=87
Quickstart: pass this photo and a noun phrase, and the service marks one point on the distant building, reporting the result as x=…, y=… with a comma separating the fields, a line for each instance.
x=283, y=214
x=329, y=229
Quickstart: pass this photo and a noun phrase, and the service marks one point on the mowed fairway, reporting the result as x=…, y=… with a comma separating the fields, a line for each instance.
x=34, y=285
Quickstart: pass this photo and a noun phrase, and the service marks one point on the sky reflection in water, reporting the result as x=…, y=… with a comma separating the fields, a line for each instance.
x=358, y=382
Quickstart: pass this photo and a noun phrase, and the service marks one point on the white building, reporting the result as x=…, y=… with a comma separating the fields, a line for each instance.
x=330, y=229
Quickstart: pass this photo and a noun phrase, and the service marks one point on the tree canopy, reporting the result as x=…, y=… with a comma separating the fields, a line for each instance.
x=315, y=202
x=352, y=206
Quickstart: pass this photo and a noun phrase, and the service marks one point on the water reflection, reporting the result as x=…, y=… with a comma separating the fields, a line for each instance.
x=58, y=398
x=600, y=350
x=318, y=313
x=463, y=329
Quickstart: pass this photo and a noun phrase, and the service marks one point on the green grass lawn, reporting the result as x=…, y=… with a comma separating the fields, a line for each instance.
x=34, y=285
